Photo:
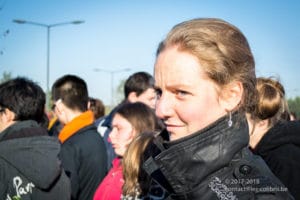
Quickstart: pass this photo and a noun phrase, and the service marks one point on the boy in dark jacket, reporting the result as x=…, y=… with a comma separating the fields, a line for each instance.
x=29, y=164
x=83, y=151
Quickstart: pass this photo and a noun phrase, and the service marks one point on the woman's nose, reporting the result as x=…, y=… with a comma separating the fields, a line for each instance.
x=164, y=107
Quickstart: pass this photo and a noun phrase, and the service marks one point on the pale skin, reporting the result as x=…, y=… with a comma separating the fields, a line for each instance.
x=6, y=119
x=148, y=97
x=256, y=130
x=63, y=113
x=121, y=135
x=188, y=100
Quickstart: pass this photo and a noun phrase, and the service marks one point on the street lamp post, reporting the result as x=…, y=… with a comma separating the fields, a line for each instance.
x=112, y=73
x=48, y=27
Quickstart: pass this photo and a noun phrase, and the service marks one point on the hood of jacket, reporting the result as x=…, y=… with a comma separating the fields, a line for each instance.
x=180, y=165
x=282, y=133
x=26, y=147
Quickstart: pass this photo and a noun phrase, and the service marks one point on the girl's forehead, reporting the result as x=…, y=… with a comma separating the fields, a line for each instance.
x=119, y=119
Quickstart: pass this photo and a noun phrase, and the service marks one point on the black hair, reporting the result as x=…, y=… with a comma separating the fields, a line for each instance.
x=138, y=82
x=25, y=98
x=72, y=90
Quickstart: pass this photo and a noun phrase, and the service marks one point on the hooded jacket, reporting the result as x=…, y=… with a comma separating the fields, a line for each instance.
x=280, y=148
x=29, y=164
x=214, y=163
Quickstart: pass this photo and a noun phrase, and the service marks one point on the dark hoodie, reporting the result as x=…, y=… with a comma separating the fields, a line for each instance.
x=280, y=148
x=29, y=164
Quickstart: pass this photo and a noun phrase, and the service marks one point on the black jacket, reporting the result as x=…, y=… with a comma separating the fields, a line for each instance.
x=214, y=163
x=84, y=160
x=29, y=164
x=280, y=148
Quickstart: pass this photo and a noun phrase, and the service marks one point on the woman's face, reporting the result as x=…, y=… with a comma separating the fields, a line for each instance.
x=188, y=100
x=121, y=135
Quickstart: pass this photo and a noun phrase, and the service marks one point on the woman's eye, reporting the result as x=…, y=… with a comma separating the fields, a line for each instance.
x=181, y=93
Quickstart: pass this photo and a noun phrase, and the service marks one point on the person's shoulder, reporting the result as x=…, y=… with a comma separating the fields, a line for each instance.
x=99, y=121
x=86, y=133
x=281, y=137
x=87, y=138
x=253, y=170
x=284, y=155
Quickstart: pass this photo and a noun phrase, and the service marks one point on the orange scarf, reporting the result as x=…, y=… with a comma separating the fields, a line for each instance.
x=85, y=119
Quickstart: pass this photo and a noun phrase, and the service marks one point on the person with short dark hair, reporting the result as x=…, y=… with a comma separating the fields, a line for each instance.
x=29, y=164
x=83, y=151
x=139, y=87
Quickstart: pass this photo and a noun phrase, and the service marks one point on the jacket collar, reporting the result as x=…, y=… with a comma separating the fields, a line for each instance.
x=174, y=164
x=22, y=129
x=282, y=133
x=79, y=122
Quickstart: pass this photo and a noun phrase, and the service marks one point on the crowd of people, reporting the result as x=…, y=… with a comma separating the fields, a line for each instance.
x=202, y=127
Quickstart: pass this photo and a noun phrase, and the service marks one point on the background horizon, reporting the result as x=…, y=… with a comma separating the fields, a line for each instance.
x=124, y=34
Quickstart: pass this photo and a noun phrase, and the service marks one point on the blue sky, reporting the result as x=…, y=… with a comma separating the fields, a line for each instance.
x=120, y=34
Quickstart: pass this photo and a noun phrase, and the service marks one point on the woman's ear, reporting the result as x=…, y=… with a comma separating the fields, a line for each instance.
x=231, y=95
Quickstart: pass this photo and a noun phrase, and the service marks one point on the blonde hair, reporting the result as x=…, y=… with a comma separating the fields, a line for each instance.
x=221, y=49
x=271, y=103
x=143, y=119
x=135, y=181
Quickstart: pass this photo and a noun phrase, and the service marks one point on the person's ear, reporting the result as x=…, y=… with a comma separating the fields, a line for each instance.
x=132, y=97
x=60, y=107
x=89, y=105
x=231, y=95
x=8, y=116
